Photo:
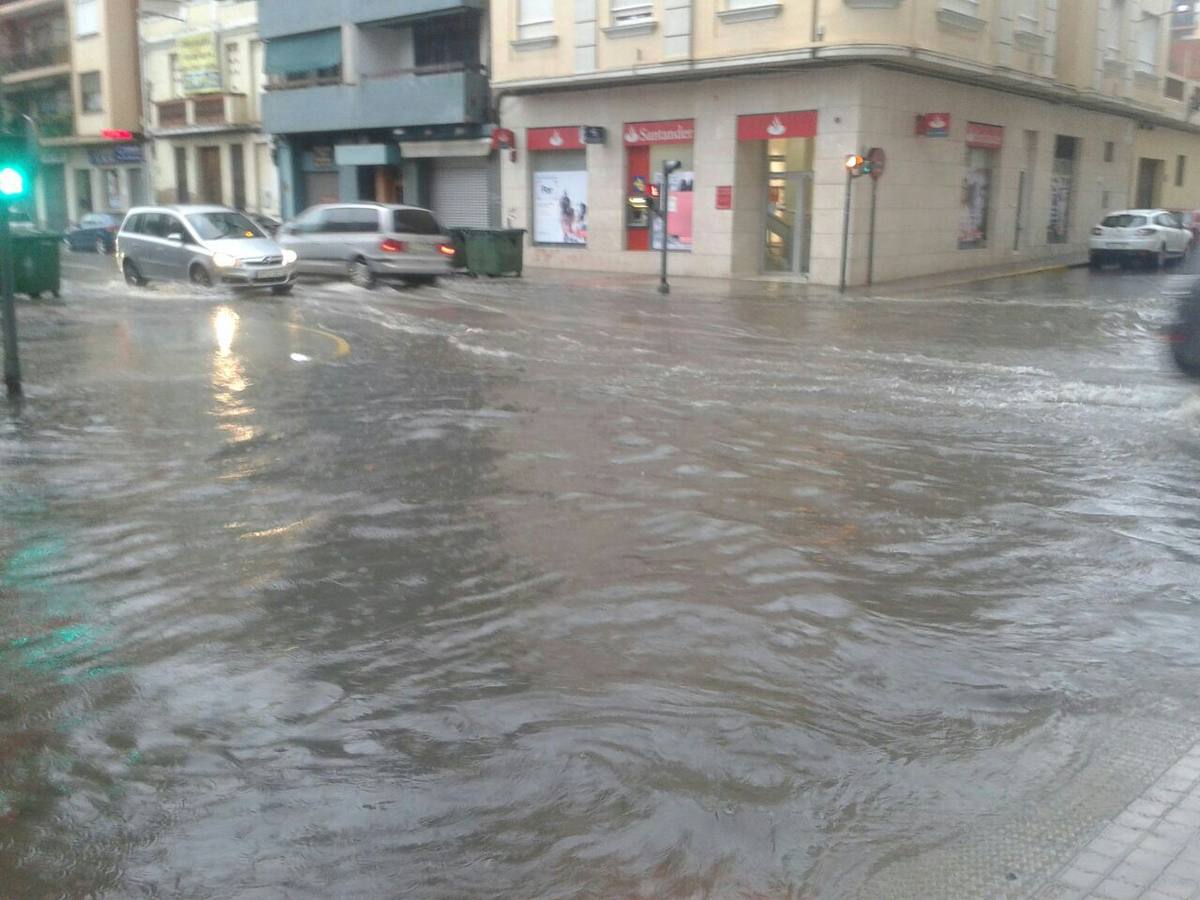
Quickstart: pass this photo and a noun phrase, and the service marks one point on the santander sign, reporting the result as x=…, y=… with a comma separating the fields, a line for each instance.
x=672, y=131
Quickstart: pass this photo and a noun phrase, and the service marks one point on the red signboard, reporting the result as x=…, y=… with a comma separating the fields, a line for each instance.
x=725, y=196
x=670, y=131
x=115, y=134
x=777, y=125
x=933, y=124
x=986, y=137
x=564, y=137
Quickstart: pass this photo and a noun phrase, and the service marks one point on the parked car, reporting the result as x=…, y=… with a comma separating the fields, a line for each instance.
x=1183, y=334
x=205, y=245
x=19, y=220
x=95, y=231
x=369, y=241
x=1151, y=236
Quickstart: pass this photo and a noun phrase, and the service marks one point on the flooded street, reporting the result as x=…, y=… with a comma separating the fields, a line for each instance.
x=555, y=588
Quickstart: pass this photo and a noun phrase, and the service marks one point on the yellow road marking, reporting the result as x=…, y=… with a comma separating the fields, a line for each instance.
x=342, y=345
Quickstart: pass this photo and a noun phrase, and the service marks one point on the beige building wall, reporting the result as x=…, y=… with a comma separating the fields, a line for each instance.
x=1180, y=155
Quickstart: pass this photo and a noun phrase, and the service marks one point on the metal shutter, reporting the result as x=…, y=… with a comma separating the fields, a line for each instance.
x=460, y=191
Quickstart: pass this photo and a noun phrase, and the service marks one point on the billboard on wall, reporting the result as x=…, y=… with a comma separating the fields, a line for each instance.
x=199, y=63
x=560, y=208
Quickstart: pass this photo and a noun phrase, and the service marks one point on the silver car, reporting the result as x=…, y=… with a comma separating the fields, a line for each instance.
x=369, y=241
x=205, y=245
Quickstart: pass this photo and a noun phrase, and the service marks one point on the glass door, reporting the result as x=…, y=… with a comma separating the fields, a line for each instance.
x=787, y=222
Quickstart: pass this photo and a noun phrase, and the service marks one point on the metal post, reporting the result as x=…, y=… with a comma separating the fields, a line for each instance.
x=871, y=235
x=845, y=231
x=663, y=286
x=12, y=363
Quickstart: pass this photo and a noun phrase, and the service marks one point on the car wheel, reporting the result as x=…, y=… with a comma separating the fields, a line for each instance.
x=1095, y=260
x=280, y=289
x=101, y=247
x=1160, y=258
x=199, y=276
x=361, y=274
x=132, y=276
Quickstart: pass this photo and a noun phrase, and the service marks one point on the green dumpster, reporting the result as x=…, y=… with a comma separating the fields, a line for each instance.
x=495, y=251
x=36, y=262
x=458, y=240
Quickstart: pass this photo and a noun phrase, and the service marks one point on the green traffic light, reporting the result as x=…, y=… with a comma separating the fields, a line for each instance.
x=12, y=182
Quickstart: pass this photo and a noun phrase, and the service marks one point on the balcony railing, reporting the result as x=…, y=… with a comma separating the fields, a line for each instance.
x=206, y=110
x=39, y=59
x=62, y=125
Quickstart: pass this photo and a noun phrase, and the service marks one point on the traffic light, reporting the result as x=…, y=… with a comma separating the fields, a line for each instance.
x=654, y=192
x=16, y=168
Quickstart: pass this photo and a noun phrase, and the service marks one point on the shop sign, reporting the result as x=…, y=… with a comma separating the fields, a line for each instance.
x=639, y=184
x=322, y=157
x=564, y=137
x=670, y=131
x=933, y=124
x=985, y=137
x=199, y=64
x=777, y=125
x=594, y=134
x=115, y=156
x=725, y=196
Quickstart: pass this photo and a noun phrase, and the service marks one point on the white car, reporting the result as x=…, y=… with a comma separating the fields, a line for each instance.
x=1150, y=236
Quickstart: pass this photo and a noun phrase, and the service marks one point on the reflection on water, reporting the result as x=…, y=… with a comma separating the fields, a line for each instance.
x=587, y=594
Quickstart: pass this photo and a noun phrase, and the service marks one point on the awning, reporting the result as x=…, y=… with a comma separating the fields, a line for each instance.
x=435, y=149
x=304, y=52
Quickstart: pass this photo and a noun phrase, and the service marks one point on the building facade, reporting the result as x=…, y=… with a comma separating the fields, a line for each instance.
x=203, y=64
x=71, y=67
x=381, y=100
x=1008, y=127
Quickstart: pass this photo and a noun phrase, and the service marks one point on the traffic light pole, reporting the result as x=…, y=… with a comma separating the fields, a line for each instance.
x=12, y=363
x=663, y=286
x=846, y=230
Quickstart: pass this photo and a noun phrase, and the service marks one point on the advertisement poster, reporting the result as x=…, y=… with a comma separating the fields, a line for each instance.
x=679, y=214
x=199, y=65
x=560, y=207
x=1060, y=208
x=973, y=218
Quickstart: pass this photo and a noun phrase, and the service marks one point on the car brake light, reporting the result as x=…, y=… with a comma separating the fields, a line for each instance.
x=445, y=250
x=111, y=229
x=1097, y=230
x=1145, y=232
x=390, y=246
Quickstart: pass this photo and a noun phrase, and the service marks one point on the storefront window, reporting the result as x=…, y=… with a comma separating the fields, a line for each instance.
x=680, y=195
x=647, y=146
x=560, y=186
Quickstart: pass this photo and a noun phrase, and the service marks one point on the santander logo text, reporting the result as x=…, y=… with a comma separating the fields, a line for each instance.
x=556, y=139
x=680, y=132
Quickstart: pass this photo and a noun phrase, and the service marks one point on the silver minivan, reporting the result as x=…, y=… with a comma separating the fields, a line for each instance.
x=366, y=242
x=205, y=245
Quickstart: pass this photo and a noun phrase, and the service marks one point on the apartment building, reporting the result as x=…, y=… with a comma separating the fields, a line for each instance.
x=382, y=100
x=71, y=66
x=1008, y=127
x=203, y=64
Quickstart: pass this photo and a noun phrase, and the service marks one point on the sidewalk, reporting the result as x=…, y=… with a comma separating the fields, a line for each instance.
x=1151, y=851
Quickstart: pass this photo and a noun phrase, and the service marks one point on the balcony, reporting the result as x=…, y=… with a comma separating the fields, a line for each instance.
x=300, y=16
x=389, y=100
x=207, y=112
x=37, y=64
x=21, y=7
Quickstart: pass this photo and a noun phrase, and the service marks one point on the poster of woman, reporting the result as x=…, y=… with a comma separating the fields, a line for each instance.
x=560, y=208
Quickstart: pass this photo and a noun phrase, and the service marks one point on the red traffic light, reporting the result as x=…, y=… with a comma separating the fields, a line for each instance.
x=655, y=191
x=116, y=134
x=854, y=162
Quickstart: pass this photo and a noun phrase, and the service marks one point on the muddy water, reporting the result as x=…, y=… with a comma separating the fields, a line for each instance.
x=574, y=592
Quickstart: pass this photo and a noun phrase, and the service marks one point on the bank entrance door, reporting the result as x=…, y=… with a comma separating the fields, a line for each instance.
x=788, y=222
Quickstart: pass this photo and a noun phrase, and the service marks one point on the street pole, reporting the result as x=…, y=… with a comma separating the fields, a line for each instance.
x=871, y=235
x=663, y=286
x=12, y=363
x=846, y=231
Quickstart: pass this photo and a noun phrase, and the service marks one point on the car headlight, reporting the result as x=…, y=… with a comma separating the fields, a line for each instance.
x=289, y=257
x=225, y=261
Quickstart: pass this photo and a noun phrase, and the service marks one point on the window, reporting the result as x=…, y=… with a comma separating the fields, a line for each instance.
x=176, y=76
x=976, y=198
x=1114, y=32
x=1124, y=220
x=1028, y=16
x=1109, y=151
x=90, y=100
x=1180, y=169
x=214, y=225
x=415, y=221
x=1147, y=39
x=1062, y=189
x=1168, y=221
x=352, y=220
x=628, y=12
x=87, y=17
x=447, y=42
x=535, y=19
x=1173, y=89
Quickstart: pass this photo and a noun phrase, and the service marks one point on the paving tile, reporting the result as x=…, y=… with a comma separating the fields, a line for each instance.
x=1094, y=862
x=1176, y=888
x=1114, y=889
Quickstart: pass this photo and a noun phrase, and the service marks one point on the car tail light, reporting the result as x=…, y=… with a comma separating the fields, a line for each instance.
x=1174, y=336
x=111, y=229
x=1145, y=232
x=390, y=246
x=445, y=250
x=1097, y=230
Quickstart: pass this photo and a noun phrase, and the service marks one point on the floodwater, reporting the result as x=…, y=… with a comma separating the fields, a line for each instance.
x=521, y=589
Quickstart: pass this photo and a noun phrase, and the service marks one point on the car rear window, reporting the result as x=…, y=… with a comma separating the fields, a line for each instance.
x=415, y=221
x=1124, y=220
